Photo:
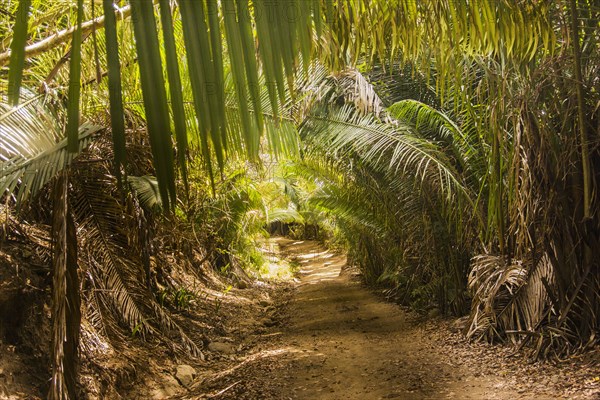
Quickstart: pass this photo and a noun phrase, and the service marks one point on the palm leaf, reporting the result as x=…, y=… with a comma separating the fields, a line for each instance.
x=31, y=148
x=155, y=98
x=508, y=298
x=17, y=55
x=200, y=63
x=114, y=88
x=116, y=269
x=287, y=215
x=359, y=91
x=74, y=85
x=390, y=148
x=98, y=216
x=146, y=189
x=174, y=80
x=236, y=55
x=438, y=126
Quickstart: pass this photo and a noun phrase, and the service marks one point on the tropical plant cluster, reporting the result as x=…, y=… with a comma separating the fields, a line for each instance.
x=452, y=147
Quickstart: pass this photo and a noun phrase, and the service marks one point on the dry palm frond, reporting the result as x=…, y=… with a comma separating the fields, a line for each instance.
x=167, y=323
x=359, y=91
x=507, y=297
x=111, y=236
x=98, y=215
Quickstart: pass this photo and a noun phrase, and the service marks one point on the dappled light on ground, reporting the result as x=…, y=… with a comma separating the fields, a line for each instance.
x=338, y=340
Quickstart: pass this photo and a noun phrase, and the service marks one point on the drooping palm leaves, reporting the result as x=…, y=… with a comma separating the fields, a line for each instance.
x=115, y=260
x=74, y=95
x=510, y=299
x=284, y=35
x=155, y=97
x=32, y=150
x=17, y=53
x=117, y=122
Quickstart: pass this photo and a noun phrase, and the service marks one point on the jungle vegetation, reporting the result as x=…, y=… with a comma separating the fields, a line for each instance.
x=451, y=148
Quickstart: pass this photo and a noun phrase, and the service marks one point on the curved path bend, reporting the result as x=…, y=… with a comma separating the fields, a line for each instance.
x=339, y=341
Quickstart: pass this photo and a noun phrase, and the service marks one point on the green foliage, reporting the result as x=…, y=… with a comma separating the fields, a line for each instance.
x=137, y=330
x=33, y=148
x=396, y=193
x=180, y=298
x=146, y=189
x=236, y=217
x=253, y=258
x=17, y=56
x=488, y=148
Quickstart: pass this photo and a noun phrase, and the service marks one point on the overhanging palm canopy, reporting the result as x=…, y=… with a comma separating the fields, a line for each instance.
x=252, y=44
x=514, y=90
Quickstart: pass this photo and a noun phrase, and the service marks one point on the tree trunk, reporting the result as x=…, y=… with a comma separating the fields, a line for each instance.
x=66, y=312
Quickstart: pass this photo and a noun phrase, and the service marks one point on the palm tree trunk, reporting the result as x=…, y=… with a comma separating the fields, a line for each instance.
x=66, y=313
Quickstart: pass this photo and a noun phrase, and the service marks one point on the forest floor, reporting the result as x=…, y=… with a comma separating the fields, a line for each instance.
x=316, y=334
x=334, y=339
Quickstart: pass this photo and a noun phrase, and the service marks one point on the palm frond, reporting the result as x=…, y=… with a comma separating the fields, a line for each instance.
x=287, y=215
x=393, y=149
x=359, y=91
x=438, y=126
x=426, y=118
x=155, y=97
x=116, y=264
x=98, y=214
x=32, y=149
x=115, y=94
x=345, y=205
x=146, y=189
x=73, y=105
x=17, y=53
x=509, y=298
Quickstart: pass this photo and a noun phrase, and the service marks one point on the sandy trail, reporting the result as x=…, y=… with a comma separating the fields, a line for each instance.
x=355, y=345
x=343, y=342
x=336, y=340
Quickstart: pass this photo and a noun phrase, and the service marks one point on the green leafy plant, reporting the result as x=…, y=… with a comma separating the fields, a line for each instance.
x=183, y=298
x=138, y=330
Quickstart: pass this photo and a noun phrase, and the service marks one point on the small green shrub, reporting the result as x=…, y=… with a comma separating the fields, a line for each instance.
x=180, y=298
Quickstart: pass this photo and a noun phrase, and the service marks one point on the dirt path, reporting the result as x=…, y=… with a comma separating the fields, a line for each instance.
x=341, y=342
x=349, y=344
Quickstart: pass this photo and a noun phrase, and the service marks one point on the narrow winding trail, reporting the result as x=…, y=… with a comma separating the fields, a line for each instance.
x=336, y=340
x=346, y=343
x=355, y=346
